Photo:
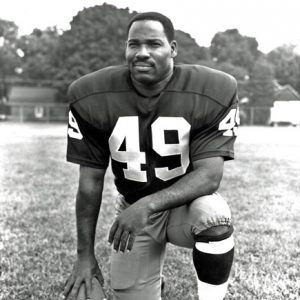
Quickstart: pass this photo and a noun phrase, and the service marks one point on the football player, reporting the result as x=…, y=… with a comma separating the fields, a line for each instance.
x=168, y=130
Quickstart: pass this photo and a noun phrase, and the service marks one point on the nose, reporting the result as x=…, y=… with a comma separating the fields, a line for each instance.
x=142, y=52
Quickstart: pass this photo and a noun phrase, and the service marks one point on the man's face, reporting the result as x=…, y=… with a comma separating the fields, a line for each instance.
x=149, y=54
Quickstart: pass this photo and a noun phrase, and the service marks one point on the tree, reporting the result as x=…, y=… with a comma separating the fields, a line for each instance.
x=286, y=64
x=9, y=59
x=231, y=46
x=188, y=50
x=239, y=73
x=96, y=39
x=261, y=90
x=39, y=50
x=261, y=84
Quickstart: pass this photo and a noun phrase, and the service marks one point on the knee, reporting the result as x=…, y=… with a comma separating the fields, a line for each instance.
x=212, y=218
x=211, y=206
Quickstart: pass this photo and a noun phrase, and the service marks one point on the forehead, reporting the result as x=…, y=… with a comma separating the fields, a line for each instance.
x=146, y=29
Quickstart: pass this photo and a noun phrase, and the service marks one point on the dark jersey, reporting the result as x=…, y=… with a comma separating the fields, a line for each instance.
x=151, y=141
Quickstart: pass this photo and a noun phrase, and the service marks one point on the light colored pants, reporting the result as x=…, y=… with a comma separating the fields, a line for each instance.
x=137, y=275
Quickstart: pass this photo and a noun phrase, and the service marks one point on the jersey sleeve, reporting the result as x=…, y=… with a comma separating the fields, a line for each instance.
x=86, y=145
x=218, y=135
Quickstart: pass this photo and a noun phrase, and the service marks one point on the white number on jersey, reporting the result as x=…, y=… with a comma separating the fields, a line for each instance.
x=163, y=149
x=230, y=123
x=127, y=130
x=73, y=130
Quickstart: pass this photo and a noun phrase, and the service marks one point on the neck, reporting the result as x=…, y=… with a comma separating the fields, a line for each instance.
x=150, y=90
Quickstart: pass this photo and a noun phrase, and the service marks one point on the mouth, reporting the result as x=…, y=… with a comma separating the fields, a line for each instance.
x=142, y=66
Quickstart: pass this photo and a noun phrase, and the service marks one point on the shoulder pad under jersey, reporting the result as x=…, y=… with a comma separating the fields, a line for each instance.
x=208, y=82
x=110, y=79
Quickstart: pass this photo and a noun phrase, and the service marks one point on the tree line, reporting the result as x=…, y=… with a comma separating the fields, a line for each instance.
x=97, y=37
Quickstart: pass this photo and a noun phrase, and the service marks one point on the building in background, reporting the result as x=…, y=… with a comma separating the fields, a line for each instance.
x=286, y=107
x=282, y=109
x=29, y=103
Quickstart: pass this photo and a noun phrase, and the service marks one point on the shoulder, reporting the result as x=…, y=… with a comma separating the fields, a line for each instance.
x=216, y=85
x=110, y=79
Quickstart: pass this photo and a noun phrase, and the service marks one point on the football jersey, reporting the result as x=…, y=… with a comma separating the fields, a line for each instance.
x=151, y=141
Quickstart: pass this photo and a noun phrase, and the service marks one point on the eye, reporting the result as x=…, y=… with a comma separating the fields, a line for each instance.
x=155, y=44
x=132, y=44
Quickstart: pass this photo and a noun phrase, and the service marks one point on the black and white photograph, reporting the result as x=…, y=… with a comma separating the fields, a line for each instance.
x=150, y=150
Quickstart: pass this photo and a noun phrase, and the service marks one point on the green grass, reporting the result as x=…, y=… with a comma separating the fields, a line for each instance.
x=37, y=221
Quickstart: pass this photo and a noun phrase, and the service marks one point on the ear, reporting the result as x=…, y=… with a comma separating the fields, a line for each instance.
x=174, y=49
x=125, y=49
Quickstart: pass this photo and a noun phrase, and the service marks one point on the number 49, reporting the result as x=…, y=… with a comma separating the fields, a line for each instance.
x=230, y=123
x=127, y=130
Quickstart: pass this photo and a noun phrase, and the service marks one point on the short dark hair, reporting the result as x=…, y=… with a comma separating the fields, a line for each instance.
x=155, y=16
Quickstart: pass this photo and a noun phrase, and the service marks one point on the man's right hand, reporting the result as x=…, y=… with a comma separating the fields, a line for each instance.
x=85, y=269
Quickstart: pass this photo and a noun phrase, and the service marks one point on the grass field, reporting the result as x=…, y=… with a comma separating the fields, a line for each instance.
x=37, y=221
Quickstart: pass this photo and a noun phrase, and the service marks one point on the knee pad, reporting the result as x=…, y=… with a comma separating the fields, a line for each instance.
x=213, y=254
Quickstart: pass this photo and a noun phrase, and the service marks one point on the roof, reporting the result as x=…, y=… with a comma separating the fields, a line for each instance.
x=286, y=93
x=276, y=86
x=29, y=94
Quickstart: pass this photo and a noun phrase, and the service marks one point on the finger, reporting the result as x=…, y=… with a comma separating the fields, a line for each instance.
x=75, y=289
x=99, y=289
x=117, y=239
x=112, y=231
x=100, y=278
x=88, y=288
x=65, y=284
x=123, y=240
x=68, y=286
x=130, y=242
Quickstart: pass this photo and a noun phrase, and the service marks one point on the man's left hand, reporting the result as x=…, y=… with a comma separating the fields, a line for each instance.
x=128, y=225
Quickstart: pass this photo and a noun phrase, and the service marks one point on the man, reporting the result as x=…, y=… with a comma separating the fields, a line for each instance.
x=168, y=130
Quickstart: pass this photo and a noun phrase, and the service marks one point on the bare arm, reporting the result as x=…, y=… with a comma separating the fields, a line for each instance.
x=88, y=202
x=203, y=180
